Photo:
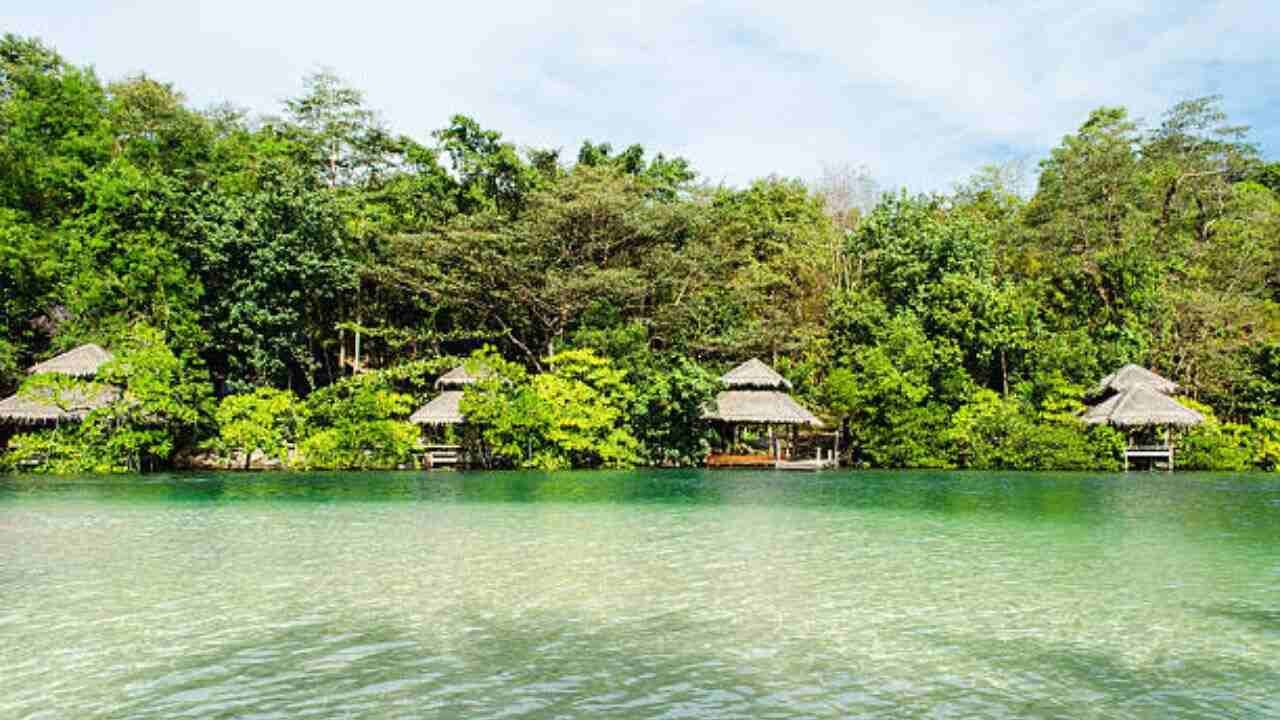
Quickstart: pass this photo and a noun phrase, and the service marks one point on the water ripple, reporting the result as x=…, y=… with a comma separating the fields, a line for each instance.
x=615, y=595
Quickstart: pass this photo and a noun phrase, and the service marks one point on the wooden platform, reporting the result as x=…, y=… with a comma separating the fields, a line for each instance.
x=768, y=461
x=731, y=461
x=434, y=456
x=811, y=464
x=1134, y=455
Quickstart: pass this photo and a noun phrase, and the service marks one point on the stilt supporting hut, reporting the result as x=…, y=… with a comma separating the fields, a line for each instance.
x=445, y=411
x=25, y=411
x=1138, y=401
x=755, y=395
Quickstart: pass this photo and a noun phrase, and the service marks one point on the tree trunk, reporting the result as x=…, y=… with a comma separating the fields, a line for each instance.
x=342, y=352
x=356, y=358
x=1004, y=373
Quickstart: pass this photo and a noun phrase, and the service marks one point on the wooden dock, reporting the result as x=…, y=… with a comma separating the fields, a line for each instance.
x=812, y=464
x=435, y=456
x=718, y=460
x=821, y=461
x=1152, y=453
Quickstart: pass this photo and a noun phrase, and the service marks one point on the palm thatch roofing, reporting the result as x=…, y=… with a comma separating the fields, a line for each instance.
x=766, y=407
x=755, y=395
x=1131, y=376
x=1142, y=405
x=755, y=374
x=444, y=409
x=83, y=361
x=461, y=377
x=71, y=405
x=42, y=409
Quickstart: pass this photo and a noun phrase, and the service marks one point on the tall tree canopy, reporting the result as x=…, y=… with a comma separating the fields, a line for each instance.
x=292, y=252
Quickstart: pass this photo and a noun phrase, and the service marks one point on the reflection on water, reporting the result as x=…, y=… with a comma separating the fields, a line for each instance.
x=640, y=594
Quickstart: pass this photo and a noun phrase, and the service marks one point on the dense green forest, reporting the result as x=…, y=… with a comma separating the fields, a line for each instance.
x=301, y=279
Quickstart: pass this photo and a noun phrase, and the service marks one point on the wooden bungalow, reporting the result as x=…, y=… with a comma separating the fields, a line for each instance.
x=1137, y=401
x=444, y=411
x=755, y=395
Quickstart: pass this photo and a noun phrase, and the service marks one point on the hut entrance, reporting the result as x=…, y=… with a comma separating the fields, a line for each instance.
x=758, y=422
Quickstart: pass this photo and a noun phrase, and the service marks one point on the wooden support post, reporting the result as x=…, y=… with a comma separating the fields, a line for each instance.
x=356, y=359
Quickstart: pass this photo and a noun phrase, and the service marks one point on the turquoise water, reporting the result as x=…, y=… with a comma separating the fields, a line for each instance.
x=640, y=594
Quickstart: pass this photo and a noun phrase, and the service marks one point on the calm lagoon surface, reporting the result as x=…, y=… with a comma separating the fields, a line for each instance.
x=664, y=594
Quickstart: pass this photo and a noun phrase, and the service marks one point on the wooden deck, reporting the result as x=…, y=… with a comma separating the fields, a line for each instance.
x=717, y=460
x=434, y=456
x=820, y=462
x=1152, y=453
x=810, y=465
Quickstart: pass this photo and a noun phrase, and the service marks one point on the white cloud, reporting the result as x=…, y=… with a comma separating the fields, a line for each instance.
x=922, y=93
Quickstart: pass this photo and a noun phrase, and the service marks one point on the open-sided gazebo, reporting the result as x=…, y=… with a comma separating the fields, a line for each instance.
x=444, y=410
x=755, y=395
x=1134, y=398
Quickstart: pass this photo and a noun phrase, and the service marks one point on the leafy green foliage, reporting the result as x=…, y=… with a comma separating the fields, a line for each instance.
x=1215, y=445
x=570, y=416
x=321, y=254
x=357, y=423
x=266, y=421
x=1266, y=438
x=165, y=403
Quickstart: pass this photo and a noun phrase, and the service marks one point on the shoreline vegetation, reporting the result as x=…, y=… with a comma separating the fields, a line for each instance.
x=291, y=287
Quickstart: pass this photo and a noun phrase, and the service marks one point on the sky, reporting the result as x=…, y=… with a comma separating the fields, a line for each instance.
x=921, y=94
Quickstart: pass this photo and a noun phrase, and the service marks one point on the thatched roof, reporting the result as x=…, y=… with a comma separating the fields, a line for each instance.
x=755, y=374
x=35, y=411
x=760, y=406
x=1131, y=376
x=1142, y=405
x=461, y=377
x=442, y=410
x=83, y=361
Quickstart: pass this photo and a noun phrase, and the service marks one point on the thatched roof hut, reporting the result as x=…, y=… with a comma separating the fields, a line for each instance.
x=83, y=361
x=72, y=405
x=755, y=395
x=1139, y=406
x=1131, y=376
x=445, y=408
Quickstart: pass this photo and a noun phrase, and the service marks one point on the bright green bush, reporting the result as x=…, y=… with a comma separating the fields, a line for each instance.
x=265, y=421
x=357, y=423
x=1266, y=443
x=573, y=415
x=58, y=451
x=1215, y=445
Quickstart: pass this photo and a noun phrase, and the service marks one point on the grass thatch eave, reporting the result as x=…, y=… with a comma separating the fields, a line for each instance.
x=1131, y=376
x=765, y=407
x=754, y=374
x=83, y=361
x=444, y=409
x=1142, y=406
x=21, y=410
